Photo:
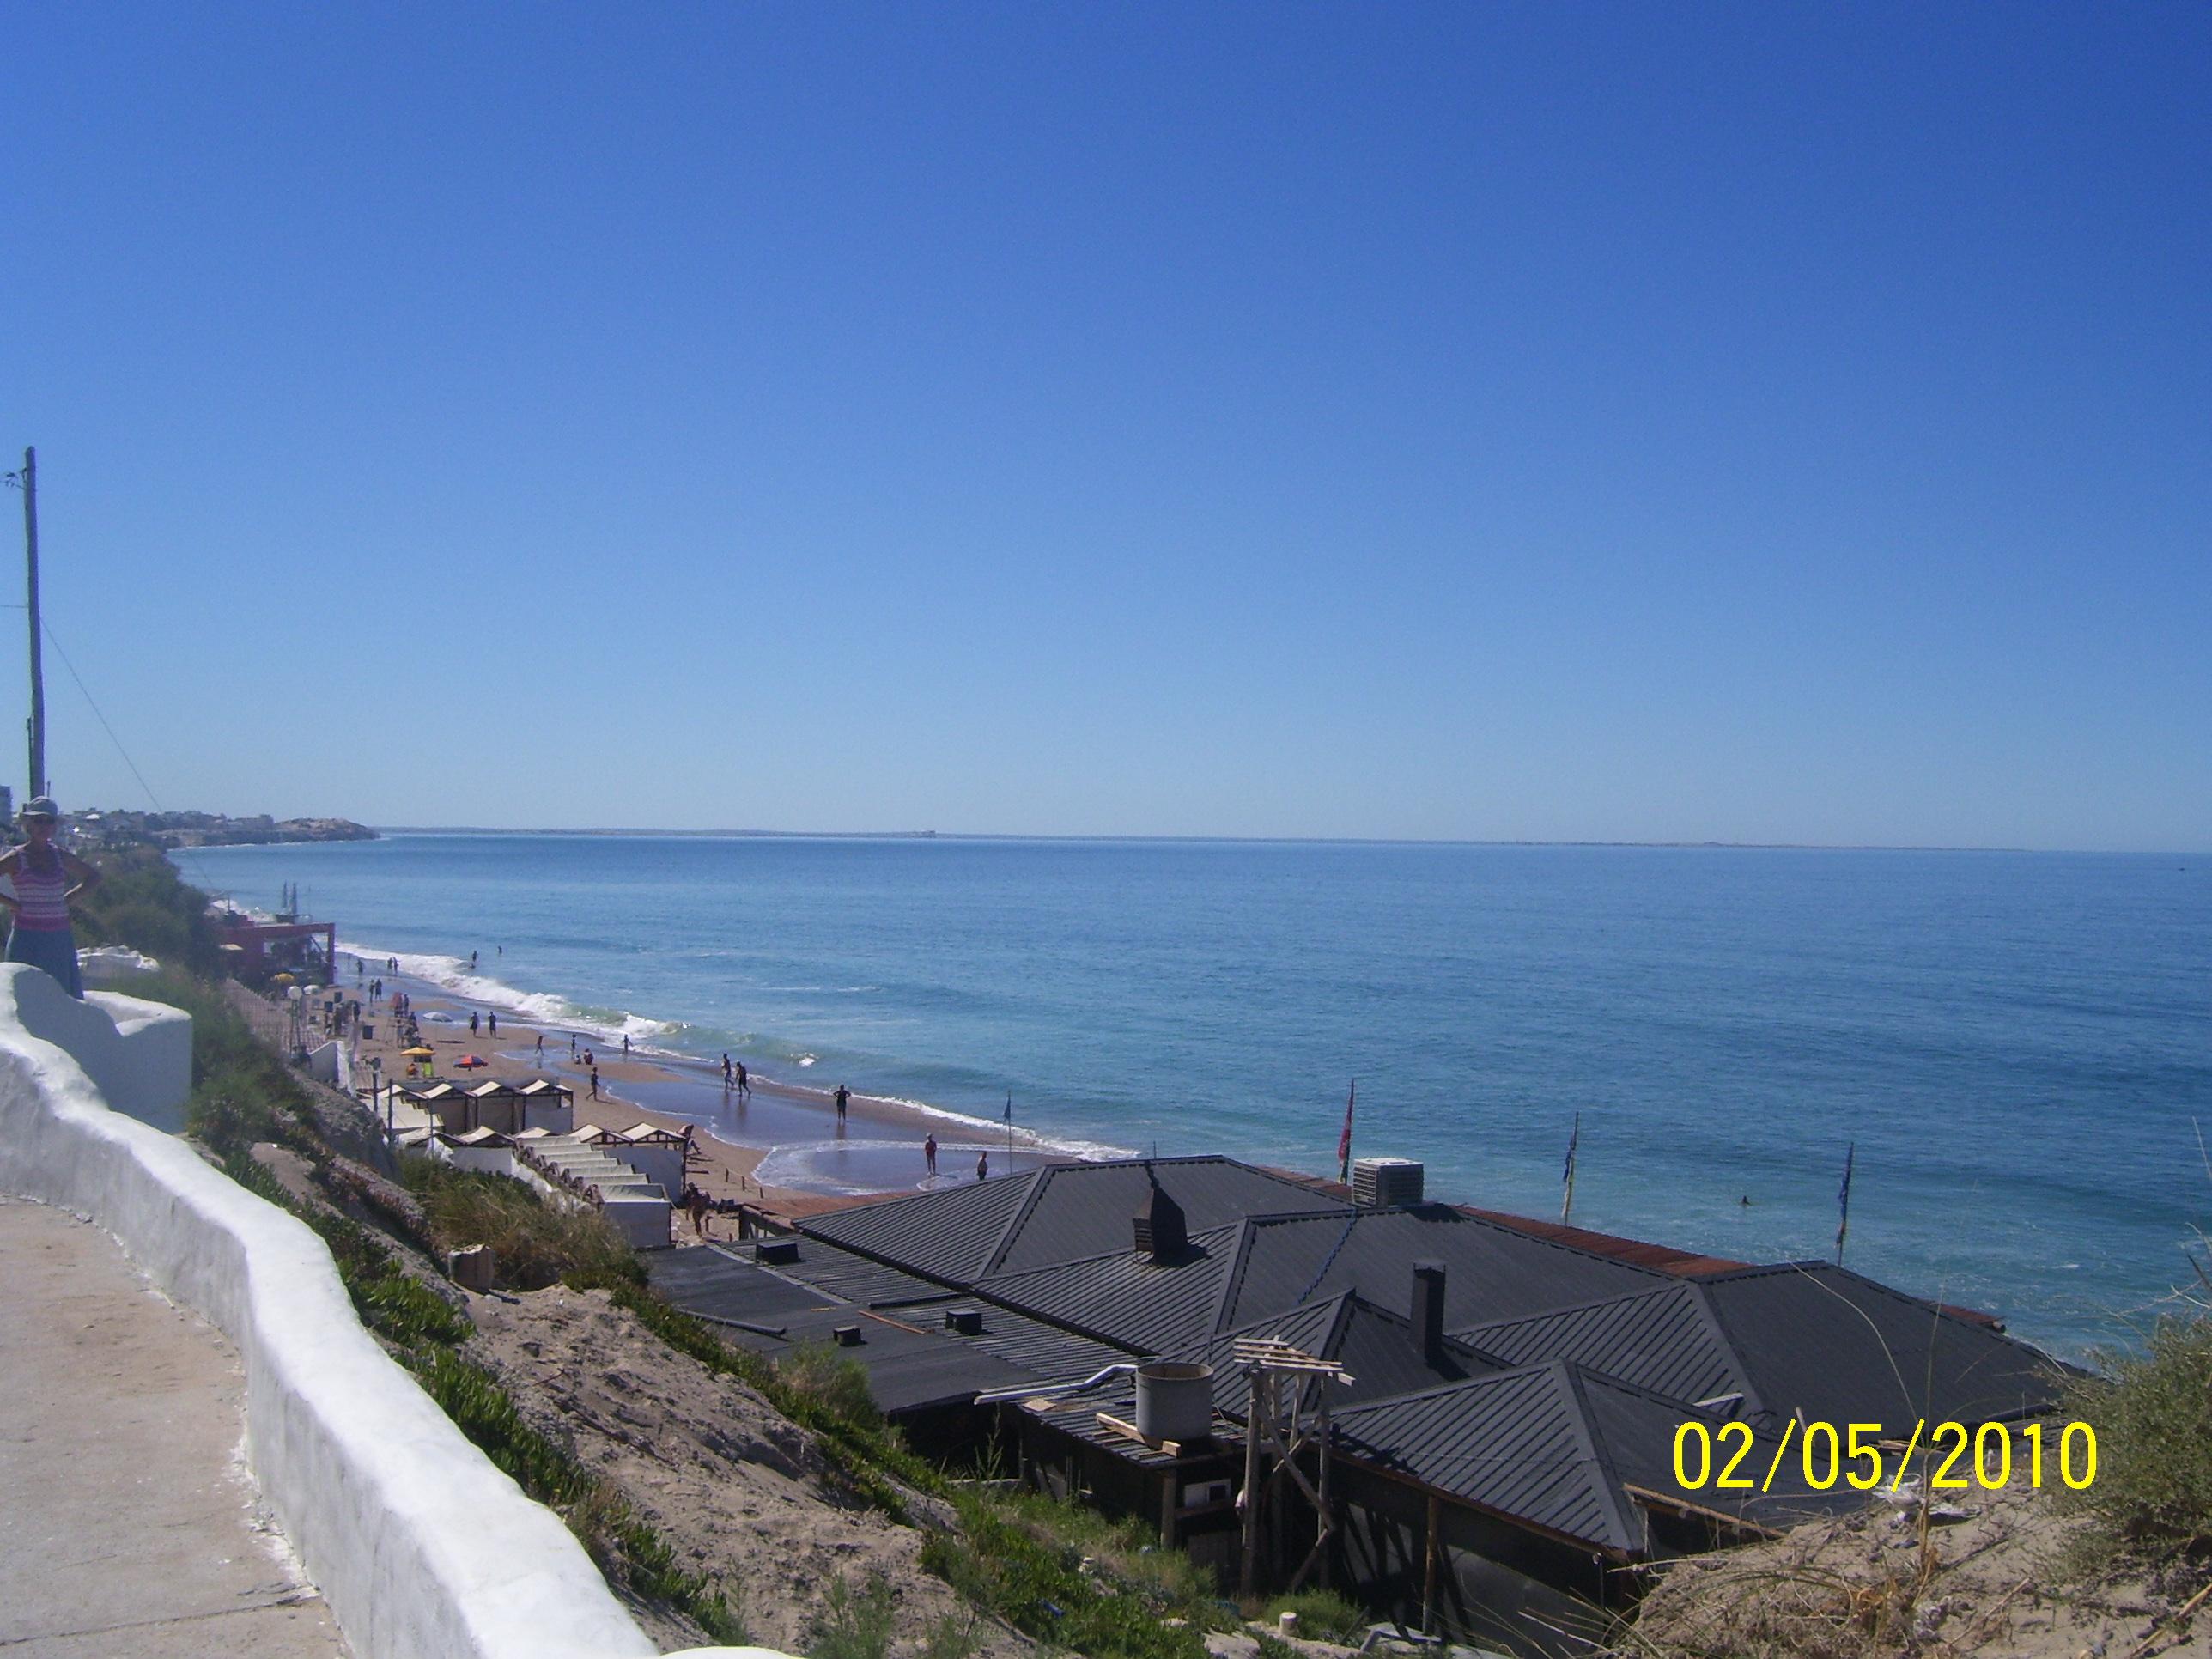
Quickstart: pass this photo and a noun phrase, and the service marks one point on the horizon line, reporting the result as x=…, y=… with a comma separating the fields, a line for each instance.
x=641, y=831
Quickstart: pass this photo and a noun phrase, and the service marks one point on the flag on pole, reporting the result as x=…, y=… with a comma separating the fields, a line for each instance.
x=1568, y=1203
x=1010, y=1109
x=1844, y=1201
x=1344, y=1141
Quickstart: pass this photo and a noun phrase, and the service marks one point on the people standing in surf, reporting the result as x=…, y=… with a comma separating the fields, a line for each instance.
x=844, y=1098
x=983, y=1164
x=929, y=1153
x=41, y=873
x=744, y=1082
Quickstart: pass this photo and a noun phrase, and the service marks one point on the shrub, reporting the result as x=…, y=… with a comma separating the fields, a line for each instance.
x=852, y=1627
x=816, y=1371
x=2151, y=1496
x=536, y=1244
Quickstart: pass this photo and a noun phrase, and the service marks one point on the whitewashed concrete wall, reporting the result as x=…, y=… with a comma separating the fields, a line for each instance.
x=420, y=1547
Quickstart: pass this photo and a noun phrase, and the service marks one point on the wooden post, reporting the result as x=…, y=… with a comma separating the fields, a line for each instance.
x=1327, y=1518
x=1431, y=1551
x=1262, y=1404
x=1168, y=1506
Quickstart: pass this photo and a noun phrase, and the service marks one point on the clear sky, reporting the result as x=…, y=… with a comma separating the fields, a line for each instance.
x=1762, y=422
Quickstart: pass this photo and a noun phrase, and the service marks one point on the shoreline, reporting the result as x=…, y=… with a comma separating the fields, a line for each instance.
x=814, y=1162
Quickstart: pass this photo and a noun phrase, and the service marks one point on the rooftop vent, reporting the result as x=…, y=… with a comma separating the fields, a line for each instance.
x=848, y=1336
x=964, y=1321
x=776, y=1252
x=1382, y=1183
x=1162, y=1233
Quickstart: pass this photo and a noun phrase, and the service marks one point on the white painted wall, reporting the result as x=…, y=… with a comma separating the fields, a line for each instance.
x=419, y=1545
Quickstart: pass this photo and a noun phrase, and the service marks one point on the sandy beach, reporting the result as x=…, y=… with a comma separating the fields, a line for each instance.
x=877, y=1152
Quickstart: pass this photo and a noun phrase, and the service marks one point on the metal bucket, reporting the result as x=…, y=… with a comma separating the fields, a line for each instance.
x=1174, y=1403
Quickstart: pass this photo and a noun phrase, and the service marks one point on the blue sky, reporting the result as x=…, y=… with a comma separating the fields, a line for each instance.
x=1757, y=423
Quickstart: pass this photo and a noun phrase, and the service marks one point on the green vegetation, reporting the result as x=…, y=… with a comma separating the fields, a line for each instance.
x=1322, y=1614
x=535, y=1243
x=2151, y=1501
x=832, y=1382
x=141, y=902
x=852, y=1625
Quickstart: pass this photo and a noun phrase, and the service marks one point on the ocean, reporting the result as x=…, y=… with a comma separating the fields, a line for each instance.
x=2017, y=1046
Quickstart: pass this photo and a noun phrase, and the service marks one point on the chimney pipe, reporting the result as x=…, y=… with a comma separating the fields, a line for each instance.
x=1429, y=1309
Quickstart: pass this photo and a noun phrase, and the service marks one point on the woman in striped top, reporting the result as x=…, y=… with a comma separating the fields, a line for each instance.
x=41, y=873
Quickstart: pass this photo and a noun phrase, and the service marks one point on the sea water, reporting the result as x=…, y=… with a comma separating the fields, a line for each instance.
x=2019, y=1046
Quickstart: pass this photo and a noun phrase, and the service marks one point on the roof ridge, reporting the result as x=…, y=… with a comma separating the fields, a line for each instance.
x=1004, y=1242
x=1627, y=1516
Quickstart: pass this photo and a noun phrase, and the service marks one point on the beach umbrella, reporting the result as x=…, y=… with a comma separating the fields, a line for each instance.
x=470, y=1061
x=286, y=979
x=422, y=1052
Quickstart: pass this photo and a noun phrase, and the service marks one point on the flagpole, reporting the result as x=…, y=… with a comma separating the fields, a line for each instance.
x=1010, y=1132
x=1567, y=1205
x=1844, y=1201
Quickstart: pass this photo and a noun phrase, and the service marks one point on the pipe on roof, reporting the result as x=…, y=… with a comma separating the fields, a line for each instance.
x=1029, y=1389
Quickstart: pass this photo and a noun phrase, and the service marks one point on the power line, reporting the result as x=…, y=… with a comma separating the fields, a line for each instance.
x=47, y=628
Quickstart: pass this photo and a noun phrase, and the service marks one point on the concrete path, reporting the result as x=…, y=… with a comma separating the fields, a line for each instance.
x=129, y=1526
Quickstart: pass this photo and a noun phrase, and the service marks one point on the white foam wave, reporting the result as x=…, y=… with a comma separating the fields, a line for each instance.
x=540, y=1007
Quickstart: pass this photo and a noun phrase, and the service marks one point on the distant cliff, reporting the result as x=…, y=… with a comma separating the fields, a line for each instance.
x=171, y=829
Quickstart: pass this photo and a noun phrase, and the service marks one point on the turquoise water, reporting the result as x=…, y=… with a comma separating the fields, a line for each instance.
x=2019, y=1045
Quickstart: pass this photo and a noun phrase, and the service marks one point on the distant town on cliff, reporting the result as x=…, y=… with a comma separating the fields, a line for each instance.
x=172, y=830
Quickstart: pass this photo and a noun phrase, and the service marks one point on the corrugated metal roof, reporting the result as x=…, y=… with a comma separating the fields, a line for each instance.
x=1079, y=1210
x=1516, y=1442
x=911, y=1358
x=1818, y=1338
x=1492, y=1272
x=1665, y=1340
x=1634, y=1431
x=951, y=1233
x=1127, y=1299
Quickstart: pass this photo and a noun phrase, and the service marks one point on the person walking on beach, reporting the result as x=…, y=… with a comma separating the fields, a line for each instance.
x=744, y=1082
x=625, y=1045
x=41, y=873
x=572, y=1045
x=983, y=1165
x=491, y=1024
x=844, y=1098
x=473, y=1022
x=595, y=1083
x=541, y=1047
x=929, y=1153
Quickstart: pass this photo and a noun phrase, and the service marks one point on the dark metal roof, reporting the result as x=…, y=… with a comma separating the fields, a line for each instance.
x=1518, y=1442
x=908, y=1365
x=1492, y=1272
x=1666, y=1339
x=1125, y=1298
x=706, y=1282
x=1080, y=1210
x=912, y=1359
x=1817, y=1337
x=951, y=1233
x=1377, y=1347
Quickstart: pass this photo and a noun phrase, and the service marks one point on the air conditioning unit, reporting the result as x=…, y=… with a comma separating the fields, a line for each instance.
x=1380, y=1183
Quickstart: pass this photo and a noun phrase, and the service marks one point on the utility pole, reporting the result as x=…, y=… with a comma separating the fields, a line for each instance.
x=30, y=476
